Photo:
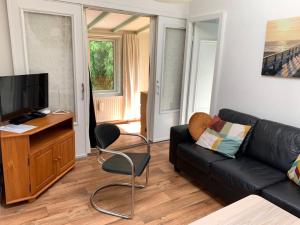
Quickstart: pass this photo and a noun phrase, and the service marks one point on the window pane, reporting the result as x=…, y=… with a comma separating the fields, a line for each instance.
x=49, y=49
x=173, y=68
x=102, y=65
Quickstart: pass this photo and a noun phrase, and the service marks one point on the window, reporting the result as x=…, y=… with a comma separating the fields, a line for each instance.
x=105, y=66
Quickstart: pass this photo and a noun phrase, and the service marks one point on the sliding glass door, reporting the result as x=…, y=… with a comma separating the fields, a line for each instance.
x=168, y=74
x=47, y=38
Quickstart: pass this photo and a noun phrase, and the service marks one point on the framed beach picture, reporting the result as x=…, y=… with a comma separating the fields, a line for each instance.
x=282, y=48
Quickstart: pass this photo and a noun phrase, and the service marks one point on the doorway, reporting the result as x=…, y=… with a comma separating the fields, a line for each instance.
x=205, y=57
x=204, y=53
x=118, y=58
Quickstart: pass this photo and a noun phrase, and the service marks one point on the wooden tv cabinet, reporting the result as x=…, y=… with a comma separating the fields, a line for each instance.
x=34, y=160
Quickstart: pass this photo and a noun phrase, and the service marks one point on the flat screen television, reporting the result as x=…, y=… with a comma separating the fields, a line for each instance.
x=22, y=94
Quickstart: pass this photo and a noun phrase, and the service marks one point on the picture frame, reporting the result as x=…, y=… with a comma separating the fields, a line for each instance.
x=282, y=48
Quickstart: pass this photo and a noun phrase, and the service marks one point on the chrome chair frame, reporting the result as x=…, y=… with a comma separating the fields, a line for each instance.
x=133, y=184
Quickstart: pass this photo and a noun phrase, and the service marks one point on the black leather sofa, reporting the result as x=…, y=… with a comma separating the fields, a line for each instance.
x=260, y=167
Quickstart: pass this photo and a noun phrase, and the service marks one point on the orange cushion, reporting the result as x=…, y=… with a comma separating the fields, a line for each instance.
x=198, y=124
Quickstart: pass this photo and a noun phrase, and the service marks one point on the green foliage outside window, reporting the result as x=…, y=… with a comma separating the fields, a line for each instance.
x=102, y=64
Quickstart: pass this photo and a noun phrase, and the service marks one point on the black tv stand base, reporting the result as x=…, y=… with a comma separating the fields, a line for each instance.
x=27, y=117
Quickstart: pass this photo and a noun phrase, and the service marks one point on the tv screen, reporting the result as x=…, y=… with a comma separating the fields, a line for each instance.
x=22, y=94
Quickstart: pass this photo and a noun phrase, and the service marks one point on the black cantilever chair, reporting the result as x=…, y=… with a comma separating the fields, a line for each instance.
x=126, y=163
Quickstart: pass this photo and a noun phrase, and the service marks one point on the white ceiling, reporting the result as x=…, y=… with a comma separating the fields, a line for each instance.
x=112, y=20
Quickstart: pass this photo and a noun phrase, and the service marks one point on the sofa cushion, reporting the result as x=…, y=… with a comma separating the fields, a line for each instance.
x=237, y=117
x=294, y=172
x=178, y=134
x=224, y=137
x=240, y=118
x=198, y=157
x=286, y=195
x=275, y=144
x=246, y=174
x=198, y=124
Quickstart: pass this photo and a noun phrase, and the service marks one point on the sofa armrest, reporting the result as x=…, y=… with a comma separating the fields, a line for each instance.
x=179, y=134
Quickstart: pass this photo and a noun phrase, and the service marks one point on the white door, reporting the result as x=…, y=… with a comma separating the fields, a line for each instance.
x=204, y=76
x=202, y=70
x=168, y=73
x=46, y=36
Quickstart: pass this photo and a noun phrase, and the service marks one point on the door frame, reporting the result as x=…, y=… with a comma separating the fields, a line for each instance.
x=152, y=50
x=148, y=8
x=152, y=77
x=86, y=80
x=221, y=16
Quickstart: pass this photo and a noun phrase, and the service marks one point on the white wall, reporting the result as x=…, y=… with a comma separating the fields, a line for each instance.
x=241, y=87
x=6, y=67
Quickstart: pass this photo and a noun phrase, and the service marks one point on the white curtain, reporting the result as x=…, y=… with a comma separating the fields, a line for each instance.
x=144, y=60
x=130, y=76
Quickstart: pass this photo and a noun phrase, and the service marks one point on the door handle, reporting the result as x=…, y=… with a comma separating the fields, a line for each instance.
x=157, y=87
x=82, y=91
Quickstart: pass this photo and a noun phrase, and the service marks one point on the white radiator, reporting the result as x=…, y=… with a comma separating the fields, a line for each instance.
x=109, y=108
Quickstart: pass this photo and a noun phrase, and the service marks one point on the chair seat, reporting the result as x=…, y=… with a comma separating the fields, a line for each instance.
x=118, y=164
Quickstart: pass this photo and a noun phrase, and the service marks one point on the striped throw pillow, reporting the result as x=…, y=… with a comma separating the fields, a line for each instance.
x=224, y=137
x=294, y=172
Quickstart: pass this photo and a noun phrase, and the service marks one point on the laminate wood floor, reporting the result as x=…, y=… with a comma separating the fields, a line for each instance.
x=170, y=197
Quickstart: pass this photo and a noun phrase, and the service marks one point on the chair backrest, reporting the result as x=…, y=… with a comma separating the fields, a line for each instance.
x=106, y=134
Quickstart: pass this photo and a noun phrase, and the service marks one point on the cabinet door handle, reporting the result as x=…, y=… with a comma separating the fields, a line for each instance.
x=10, y=165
